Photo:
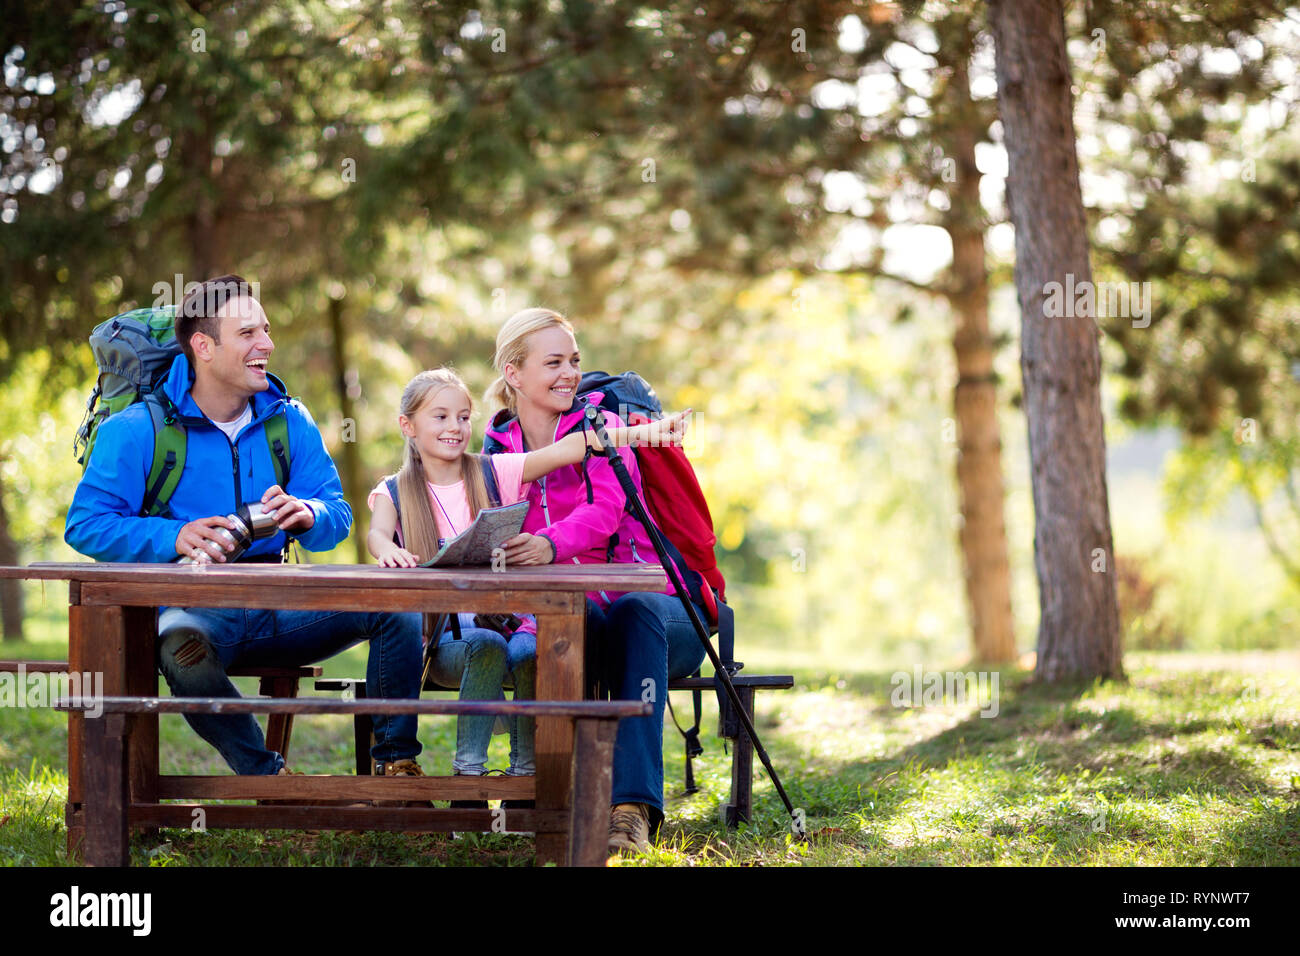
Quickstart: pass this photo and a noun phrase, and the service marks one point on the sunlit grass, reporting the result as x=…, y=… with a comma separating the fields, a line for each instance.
x=1193, y=761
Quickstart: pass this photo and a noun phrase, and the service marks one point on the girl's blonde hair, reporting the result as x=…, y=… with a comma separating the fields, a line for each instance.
x=419, y=523
x=512, y=349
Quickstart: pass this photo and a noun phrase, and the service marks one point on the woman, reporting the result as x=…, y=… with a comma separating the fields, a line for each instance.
x=576, y=513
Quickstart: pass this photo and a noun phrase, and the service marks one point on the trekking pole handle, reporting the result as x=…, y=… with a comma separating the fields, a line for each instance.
x=597, y=421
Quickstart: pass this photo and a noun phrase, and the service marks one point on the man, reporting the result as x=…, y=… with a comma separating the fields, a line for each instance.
x=225, y=399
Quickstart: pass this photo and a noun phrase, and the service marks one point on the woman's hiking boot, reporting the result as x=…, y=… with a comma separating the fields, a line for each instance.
x=468, y=804
x=629, y=828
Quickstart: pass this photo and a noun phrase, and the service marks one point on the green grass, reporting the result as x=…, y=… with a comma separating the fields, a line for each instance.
x=1194, y=761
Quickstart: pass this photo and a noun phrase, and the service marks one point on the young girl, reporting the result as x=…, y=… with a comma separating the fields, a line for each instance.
x=441, y=489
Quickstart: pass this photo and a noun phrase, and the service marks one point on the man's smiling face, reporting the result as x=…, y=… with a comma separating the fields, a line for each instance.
x=239, y=356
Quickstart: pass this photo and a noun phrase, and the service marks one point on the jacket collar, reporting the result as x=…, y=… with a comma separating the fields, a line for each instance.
x=505, y=427
x=180, y=380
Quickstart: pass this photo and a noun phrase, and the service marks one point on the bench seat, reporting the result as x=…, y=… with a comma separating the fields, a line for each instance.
x=739, y=809
x=272, y=682
x=110, y=813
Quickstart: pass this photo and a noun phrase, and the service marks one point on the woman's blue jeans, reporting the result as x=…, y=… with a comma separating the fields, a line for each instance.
x=196, y=646
x=478, y=664
x=647, y=640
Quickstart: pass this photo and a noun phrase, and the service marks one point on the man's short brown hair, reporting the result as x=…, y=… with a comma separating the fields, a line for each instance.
x=198, y=310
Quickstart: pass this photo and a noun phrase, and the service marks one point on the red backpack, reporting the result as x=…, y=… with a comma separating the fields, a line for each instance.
x=671, y=490
x=676, y=505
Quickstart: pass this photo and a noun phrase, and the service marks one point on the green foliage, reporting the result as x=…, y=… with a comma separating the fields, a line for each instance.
x=825, y=467
x=1196, y=193
x=37, y=470
x=1201, y=200
x=490, y=176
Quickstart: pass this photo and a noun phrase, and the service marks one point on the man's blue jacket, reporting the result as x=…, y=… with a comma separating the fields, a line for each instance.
x=104, y=520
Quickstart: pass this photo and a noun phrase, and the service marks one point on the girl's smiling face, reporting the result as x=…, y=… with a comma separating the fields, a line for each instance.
x=441, y=425
x=549, y=374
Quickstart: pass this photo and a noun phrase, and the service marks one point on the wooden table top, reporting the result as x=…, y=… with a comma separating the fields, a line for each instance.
x=551, y=577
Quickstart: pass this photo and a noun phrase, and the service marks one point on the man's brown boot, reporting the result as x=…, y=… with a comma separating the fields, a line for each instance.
x=400, y=768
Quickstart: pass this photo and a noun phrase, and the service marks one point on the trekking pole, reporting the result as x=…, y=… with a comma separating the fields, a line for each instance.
x=596, y=420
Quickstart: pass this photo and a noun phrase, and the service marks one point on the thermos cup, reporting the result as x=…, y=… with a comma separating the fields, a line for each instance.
x=251, y=524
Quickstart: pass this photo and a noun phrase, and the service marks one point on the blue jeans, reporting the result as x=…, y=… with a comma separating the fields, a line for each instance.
x=478, y=664
x=647, y=640
x=196, y=646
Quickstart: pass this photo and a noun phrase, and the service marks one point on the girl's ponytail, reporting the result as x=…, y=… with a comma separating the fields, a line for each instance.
x=419, y=526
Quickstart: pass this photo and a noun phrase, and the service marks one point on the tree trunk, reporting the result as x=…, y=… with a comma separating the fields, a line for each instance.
x=975, y=400
x=1078, y=635
x=202, y=223
x=353, y=488
x=11, y=589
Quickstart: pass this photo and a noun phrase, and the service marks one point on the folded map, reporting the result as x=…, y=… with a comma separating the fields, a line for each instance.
x=491, y=528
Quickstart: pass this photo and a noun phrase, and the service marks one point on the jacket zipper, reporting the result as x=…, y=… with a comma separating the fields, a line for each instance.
x=189, y=421
x=234, y=449
x=546, y=512
x=234, y=466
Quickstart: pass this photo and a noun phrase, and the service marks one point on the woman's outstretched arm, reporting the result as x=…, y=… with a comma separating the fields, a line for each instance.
x=571, y=449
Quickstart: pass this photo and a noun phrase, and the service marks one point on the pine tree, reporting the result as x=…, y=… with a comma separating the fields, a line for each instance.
x=1078, y=636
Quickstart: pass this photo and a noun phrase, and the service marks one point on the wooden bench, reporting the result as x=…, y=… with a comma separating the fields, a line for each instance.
x=740, y=807
x=272, y=682
x=110, y=812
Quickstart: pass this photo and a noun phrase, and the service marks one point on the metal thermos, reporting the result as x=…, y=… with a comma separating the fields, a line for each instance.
x=251, y=524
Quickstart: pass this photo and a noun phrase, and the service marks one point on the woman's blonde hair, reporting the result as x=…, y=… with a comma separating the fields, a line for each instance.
x=420, y=525
x=512, y=349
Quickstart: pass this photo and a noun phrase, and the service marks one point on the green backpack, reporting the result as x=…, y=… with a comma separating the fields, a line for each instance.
x=134, y=352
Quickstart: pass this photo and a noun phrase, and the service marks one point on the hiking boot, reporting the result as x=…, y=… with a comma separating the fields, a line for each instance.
x=400, y=768
x=286, y=772
x=518, y=804
x=629, y=828
x=468, y=804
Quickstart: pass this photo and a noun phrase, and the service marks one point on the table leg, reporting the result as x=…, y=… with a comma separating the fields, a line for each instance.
x=560, y=655
x=279, y=727
x=96, y=647
x=72, y=820
x=107, y=782
x=592, y=781
x=141, y=628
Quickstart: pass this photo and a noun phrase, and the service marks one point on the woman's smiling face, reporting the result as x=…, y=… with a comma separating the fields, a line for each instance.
x=548, y=377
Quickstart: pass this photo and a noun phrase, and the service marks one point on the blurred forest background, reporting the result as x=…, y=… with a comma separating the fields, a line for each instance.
x=790, y=217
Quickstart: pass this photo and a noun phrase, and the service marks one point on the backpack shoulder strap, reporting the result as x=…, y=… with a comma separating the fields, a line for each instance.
x=490, y=480
x=277, y=439
x=168, y=455
x=391, y=485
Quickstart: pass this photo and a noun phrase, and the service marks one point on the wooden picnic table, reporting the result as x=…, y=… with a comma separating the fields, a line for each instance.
x=112, y=630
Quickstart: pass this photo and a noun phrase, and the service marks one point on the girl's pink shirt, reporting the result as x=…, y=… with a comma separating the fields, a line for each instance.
x=451, y=501
x=510, y=472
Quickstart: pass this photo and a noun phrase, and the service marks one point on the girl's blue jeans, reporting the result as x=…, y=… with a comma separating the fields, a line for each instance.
x=196, y=646
x=478, y=665
x=646, y=640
